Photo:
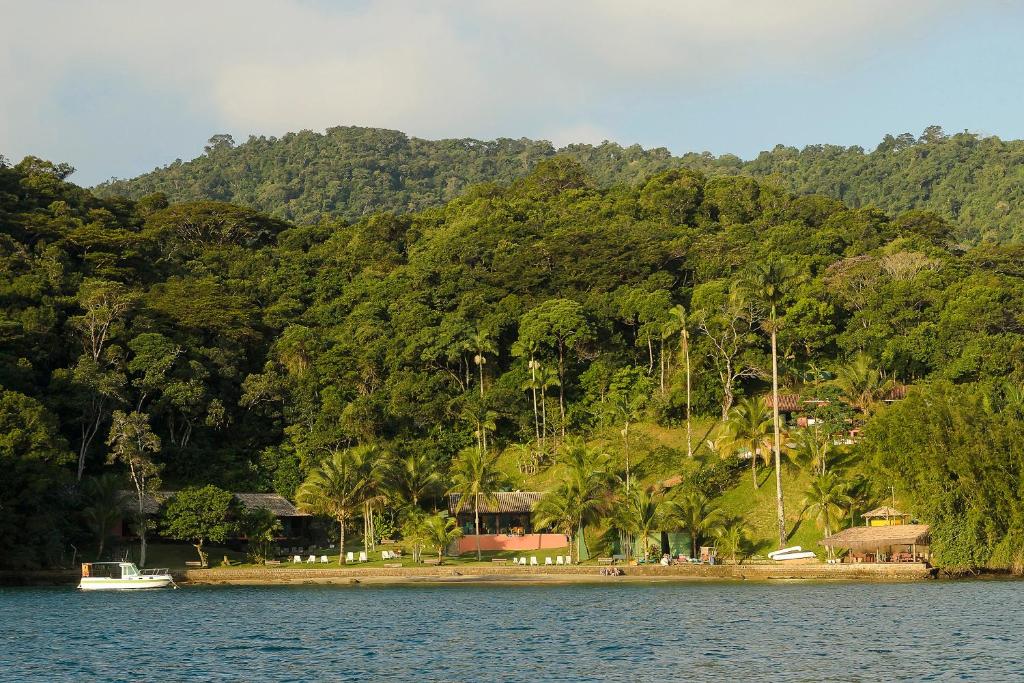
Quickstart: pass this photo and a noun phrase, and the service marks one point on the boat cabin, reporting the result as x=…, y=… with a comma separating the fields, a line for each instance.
x=109, y=570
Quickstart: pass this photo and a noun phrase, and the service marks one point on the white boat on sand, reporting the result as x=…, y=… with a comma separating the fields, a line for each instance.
x=112, y=576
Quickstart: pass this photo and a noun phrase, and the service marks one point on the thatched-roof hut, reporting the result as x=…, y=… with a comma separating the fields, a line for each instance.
x=901, y=542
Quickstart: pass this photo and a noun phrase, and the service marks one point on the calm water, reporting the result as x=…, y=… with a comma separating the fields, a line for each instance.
x=729, y=631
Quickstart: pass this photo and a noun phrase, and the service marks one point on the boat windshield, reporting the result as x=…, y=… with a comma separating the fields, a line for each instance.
x=129, y=569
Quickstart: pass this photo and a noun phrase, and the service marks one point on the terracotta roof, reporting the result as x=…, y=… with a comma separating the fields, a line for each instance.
x=499, y=501
x=871, y=537
x=884, y=512
x=279, y=505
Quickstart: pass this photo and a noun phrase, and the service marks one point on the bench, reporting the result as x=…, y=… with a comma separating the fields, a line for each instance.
x=605, y=560
x=431, y=560
x=392, y=565
x=272, y=563
x=499, y=560
x=195, y=564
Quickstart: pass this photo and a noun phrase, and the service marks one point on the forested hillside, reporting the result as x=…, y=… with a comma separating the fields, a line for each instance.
x=242, y=350
x=977, y=183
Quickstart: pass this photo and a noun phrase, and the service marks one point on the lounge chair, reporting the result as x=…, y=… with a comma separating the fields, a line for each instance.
x=297, y=559
x=350, y=557
x=323, y=559
x=362, y=556
x=568, y=559
x=547, y=560
x=533, y=561
x=311, y=559
x=559, y=560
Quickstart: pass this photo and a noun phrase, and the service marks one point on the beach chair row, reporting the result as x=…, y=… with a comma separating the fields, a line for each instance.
x=532, y=561
x=309, y=560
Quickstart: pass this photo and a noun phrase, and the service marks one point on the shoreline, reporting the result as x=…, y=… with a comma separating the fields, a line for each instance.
x=467, y=575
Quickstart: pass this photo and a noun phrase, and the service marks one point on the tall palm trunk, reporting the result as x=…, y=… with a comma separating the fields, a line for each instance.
x=341, y=540
x=686, y=353
x=661, y=363
x=779, y=502
x=543, y=415
x=476, y=514
x=533, y=389
x=753, y=462
x=561, y=387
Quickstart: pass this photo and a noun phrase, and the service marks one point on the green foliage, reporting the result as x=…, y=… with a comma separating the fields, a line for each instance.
x=199, y=515
x=953, y=453
x=215, y=344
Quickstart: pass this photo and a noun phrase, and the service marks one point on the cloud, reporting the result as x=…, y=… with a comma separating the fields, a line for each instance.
x=444, y=68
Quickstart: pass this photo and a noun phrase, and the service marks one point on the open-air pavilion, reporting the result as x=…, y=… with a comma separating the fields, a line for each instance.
x=887, y=543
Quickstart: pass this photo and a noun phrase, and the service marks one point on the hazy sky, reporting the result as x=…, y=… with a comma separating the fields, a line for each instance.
x=119, y=87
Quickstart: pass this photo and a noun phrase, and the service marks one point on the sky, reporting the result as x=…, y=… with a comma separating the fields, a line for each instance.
x=119, y=87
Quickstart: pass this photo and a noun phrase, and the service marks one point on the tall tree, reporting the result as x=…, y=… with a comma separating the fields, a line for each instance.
x=562, y=325
x=481, y=344
x=768, y=282
x=678, y=323
x=132, y=444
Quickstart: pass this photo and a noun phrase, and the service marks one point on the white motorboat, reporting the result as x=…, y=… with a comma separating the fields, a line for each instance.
x=115, y=576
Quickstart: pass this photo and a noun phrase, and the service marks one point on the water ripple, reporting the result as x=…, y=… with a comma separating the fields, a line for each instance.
x=933, y=631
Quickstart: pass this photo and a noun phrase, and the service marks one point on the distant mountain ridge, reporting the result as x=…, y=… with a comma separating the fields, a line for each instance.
x=351, y=172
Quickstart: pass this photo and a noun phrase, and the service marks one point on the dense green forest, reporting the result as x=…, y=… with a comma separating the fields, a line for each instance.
x=241, y=350
x=976, y=183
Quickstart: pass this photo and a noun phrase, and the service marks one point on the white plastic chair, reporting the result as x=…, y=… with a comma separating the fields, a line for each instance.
x=547, y=560
x=568, y=559
x=297, y=559
x=350, y=557
x=323, y=559
x=362, y=556
x=311, y=559
x=533, y=561
x=385, y=555
x=559, y=560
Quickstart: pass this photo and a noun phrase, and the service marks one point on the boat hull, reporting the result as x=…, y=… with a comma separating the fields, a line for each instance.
x=134, y=583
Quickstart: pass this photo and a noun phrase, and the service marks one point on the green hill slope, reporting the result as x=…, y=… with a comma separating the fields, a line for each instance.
x=351, y=172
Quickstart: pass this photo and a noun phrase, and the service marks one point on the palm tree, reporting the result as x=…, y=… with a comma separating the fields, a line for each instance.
x=440, y=531
x=750, y=427
x=475, y=477
x=412, y=478
x=768, y=281
x=530, y=348
x=678, y=323
x=105, y=500
x=826, y=500
x=696, y=515
x=818, y=453
x=338, y=488
x=861, y=384
x=731, y=537
x=483, y=419
x=547, y=378
x=480, y=344
x=642, y=514
x=628, y=410
x=585, y=477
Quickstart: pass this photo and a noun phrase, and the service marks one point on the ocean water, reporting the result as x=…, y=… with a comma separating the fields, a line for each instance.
x=925, y=631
